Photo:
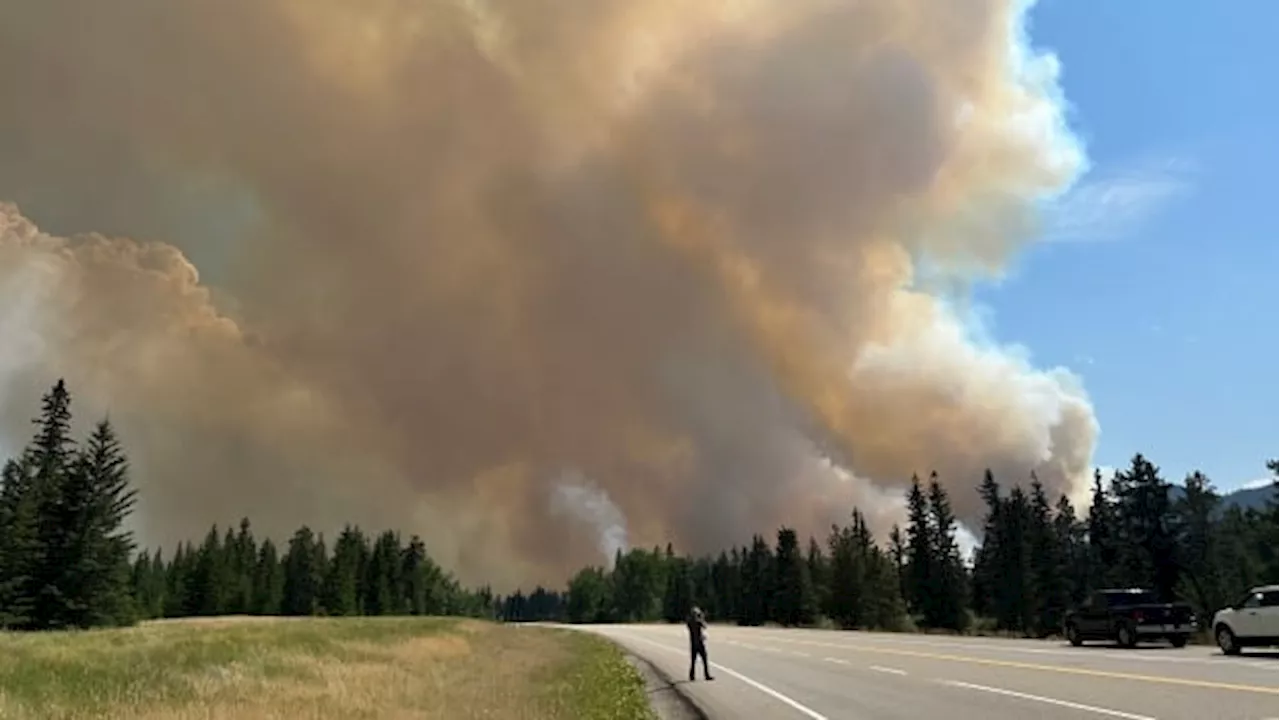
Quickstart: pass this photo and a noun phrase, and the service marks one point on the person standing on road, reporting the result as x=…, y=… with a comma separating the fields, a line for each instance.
x=697, y=625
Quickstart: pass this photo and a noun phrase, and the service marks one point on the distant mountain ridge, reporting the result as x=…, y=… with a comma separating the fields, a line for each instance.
x=1250, y=498
x=1247, y=498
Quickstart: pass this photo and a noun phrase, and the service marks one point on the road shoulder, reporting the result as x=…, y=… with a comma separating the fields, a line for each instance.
x=665, y=695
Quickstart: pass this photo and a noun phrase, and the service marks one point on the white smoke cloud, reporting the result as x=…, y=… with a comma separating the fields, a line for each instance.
x=576, y=496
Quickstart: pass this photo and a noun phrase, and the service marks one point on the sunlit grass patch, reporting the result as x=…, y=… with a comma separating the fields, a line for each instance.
x=317, y=668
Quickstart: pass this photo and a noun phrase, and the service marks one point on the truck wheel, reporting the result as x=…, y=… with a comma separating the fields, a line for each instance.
x=1227, y=640
x=1073, y=636
x=1178, y=641
x=1125, y=636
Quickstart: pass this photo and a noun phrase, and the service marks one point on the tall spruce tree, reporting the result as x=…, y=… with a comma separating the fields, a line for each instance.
x=1195, y=524
x=898, y=558
x=342, y=581
x=208, y=581
x=757, y=582
x=847, y=577
x=948, y=582
x=921, y=565
x=819, y=576
x=793, y=589
x=1048, y=565
x=50, y=456
x=382, y=587
x=986, y=560
x=1014, y=599
x=19, y=543
x=1147, y=553
x=268, y=581
x=303, y=575
x=1103, y=532
x=103, y=470
x=243, y=558
x=418, y=579
x=1268, y=519
x=1070, y=533
x=678, y=596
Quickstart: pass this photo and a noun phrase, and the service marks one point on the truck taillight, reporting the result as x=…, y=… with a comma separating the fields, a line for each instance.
x=1137, y=616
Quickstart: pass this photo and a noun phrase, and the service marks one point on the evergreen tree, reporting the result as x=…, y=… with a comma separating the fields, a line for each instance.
x=678, y=596
x=819, y=575
x=1266, y=523
x=921, y=566
x=50, y=457
x=382, y=580
x=947, y=583
x=728, y=580
x=757, y=583
x=1014, y=601
x=1104, y=550
x=1147, y=553
x=20, y=552
x=178, y=582
x=1048, y=565
x=702, y=582
x=986, y=560
x=104, y=561
x=1195, y=524
x=1070, y=533
x=268, y=581
x=637, y=586
x=303, y=575
x=587, y=599
x=898, y=557
x=847, y=578
x=418, y=578
x=342, y=578
x=886, y=609
x=208, y=582
x=242, y=554
x=793, y=591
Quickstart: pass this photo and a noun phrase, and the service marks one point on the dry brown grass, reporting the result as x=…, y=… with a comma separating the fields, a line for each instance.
x=351, y=668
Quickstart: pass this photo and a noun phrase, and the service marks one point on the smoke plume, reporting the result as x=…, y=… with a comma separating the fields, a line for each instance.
x=714, y=255
x=590, y=504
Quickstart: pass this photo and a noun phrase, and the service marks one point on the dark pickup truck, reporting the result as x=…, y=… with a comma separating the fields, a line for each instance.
x=1129, y=616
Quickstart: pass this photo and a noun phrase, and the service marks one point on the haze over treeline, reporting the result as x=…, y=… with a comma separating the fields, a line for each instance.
x=67, y=562
x=537, y=279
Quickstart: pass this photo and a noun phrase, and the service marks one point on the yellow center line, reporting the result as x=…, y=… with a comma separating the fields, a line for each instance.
x=1052, y=668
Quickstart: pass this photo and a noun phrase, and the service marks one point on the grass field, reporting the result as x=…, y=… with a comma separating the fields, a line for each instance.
x=250, y=668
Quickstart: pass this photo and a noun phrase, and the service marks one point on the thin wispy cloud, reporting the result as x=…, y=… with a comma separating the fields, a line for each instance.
x=1113, y=205
x=1259, y=483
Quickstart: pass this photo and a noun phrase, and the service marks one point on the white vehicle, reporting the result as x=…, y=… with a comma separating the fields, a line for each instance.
x=1252, y=622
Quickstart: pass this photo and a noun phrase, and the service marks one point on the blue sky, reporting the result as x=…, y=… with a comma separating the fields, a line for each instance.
x=1159, y=286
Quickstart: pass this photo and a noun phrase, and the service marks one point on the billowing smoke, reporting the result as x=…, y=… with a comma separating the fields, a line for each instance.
x=709, y=253
x=584, y=501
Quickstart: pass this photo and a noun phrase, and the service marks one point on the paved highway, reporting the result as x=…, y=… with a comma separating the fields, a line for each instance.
x=775, y=674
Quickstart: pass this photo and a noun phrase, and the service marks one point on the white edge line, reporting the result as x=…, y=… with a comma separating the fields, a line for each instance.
x=1051, y=701
x=807, y=711
x=891, y=671
x=839, y=661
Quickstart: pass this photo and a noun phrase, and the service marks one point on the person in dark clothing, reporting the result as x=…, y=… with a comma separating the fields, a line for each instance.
x=697, y=625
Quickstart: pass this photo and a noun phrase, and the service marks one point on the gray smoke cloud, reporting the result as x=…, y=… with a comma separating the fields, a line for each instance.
x=707, y=253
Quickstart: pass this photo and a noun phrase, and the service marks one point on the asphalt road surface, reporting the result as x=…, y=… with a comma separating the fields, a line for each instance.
x=775, y=674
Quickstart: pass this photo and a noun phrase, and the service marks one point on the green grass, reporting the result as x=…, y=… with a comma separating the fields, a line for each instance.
x=597, y=682
x=317, y=668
